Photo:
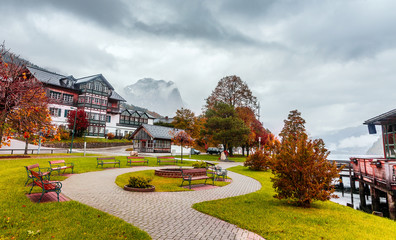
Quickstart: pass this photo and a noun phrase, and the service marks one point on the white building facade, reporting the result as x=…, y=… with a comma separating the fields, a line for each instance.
x=94, y=95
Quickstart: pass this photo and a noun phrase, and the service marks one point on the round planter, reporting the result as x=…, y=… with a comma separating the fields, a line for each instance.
x=131, y=189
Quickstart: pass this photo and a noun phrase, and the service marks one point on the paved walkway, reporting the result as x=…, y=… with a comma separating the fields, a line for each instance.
x=164, y=215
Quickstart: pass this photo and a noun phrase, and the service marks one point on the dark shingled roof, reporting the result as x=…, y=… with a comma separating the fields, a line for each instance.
x=158, y=131
x=114, y=95
x=50, y=77
x=385, y=118
x=93, y=77
x=55, y=79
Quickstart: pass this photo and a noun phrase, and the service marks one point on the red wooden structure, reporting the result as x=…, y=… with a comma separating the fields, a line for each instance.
x=379, y=174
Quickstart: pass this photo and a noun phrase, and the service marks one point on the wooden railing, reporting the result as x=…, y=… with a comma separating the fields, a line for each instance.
x=377, y=171
x=32, y=151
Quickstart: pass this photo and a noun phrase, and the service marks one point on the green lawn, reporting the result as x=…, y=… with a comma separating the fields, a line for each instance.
x=207, y=157
x=274, y=219
x=163, y=184
x=22, y=219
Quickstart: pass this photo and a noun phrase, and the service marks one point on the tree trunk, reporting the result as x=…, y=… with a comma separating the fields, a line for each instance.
x=181, y=150
x=230, y=151
x=243, y=150
x=26, y=145
x=247, y=150
x=3, y=117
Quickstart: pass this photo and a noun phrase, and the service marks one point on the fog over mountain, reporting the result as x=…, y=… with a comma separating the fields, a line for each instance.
x=157, y=95
x=353, y=141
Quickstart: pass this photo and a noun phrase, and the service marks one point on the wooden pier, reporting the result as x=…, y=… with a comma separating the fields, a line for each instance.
x=346, y=171
x=378, y=175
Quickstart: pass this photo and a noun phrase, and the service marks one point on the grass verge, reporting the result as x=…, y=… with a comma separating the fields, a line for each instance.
x=204, y=157
x=163, y=184
x=259, y=212
x=22, y=219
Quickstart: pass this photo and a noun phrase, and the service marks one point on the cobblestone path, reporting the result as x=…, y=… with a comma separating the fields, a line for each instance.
x=163, y=215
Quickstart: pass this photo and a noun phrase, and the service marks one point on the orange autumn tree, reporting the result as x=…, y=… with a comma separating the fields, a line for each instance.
x=32, y=119
x=301, y=170
x=15, y=82
x=184, y=119
x=182, y=139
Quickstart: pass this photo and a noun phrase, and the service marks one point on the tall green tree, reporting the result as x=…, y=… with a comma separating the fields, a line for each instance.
x=224, y=126
x=301, y=170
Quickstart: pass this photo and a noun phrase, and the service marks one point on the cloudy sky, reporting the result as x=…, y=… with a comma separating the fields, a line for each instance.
x=332, y=60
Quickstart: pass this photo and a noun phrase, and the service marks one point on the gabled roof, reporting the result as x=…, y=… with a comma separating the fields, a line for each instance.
x=51, y=77
x=159, y=132
x=385, y=118
x=56, y=79
x=139, y=113
x=114, y=95
x=94, y=77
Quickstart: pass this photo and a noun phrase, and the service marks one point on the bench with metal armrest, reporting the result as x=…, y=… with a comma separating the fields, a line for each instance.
x=59, y=165
x=108, y=160
x=194, y=174
x=45, y=185
x=45, y=172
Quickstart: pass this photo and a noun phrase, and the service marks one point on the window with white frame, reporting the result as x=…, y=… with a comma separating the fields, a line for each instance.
x=67, y=98
x=56, y=112
x=55, y=95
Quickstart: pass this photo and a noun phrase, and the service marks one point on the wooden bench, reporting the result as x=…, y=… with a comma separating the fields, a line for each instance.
x=108, y=160
x=131, y=160
x=199, y=174
x=210, y=168
x=46, y=172
x=45, y=185
x=166, y=159
x=59, y=165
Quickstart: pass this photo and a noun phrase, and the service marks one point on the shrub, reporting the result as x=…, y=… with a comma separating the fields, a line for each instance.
x=129, y=149
x=199, y=164
x=139, y=182
x=63, y=132
x=110, y=136
x=301, y=170
x=258, y=161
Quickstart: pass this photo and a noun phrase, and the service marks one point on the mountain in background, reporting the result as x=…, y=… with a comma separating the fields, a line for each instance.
x=157, y=95
x=353, y=141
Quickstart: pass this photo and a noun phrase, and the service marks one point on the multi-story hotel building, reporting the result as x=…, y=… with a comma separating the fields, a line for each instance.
x=96, y=96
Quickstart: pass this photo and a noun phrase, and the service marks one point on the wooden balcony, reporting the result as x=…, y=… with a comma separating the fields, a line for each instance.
x=379, y=172
x=113, y=109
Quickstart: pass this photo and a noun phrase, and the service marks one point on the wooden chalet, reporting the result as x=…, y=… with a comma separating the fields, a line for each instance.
x=378, y=175
x=96, y=96
x=153, y=138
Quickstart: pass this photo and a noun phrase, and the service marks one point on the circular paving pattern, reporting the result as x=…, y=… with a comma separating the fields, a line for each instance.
x=163, y=215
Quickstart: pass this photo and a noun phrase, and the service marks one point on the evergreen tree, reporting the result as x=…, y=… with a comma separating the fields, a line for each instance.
x=224, y=126
x=301, y=170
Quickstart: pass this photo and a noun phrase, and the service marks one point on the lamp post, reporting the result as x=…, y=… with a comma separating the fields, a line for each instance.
x=259, y=142
x=85, y=143
x=74, y=129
